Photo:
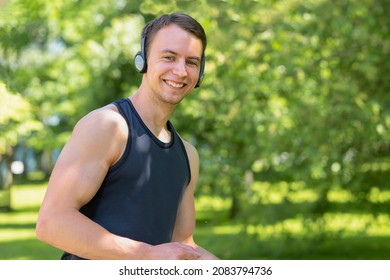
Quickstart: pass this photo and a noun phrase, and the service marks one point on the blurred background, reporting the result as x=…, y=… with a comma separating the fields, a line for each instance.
x=291, y=122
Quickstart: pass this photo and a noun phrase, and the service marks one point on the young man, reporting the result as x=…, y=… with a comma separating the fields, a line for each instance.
x=123, y=186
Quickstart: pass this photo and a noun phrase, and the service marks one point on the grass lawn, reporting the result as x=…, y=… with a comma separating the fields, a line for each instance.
x=17, y=227
x=277, y=224
x=273, y=229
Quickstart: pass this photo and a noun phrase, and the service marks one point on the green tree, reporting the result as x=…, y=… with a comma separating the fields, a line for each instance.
x=15, y=124
x=294, y=90
x=67, y=58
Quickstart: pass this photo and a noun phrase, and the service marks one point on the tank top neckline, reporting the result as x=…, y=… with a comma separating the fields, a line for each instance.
x=154, y=137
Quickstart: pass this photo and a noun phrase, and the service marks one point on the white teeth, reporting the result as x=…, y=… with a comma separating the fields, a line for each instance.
x=174, y=84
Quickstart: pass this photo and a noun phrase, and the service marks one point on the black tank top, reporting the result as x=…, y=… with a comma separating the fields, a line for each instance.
x=141, y=193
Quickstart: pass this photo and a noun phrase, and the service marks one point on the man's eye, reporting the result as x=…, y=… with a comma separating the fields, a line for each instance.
x=169, y=58
x=192, y=63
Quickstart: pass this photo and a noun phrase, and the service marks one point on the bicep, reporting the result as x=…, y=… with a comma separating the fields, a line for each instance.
x=74, y=180
x=82, y=166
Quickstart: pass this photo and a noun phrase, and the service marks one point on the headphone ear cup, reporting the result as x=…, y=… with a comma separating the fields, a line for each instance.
x=139, y=62
x=140, y=58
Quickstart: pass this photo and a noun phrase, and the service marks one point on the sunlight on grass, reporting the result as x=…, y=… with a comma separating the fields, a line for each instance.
x=340, y=196
x=291, y=226
x=268, y=193
x=19, y=218
x=381, y=227
x=276, y=215
x=18, y=226
x=8, y=235
x=348, y=223
x=345, y=224
x=379, y=196
x=227, y=229
x=24, y=196
x=216, y=203
x=296, y=192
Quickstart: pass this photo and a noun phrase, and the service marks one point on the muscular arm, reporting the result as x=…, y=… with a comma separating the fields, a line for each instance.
x=76, y=177
x=185, y=221
x=97, y=142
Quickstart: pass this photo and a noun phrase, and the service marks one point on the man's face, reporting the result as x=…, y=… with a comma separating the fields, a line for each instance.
x=174, y=59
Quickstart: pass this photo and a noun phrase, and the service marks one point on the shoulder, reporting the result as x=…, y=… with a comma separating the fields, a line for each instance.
x=102, y=121
x=103, y=131
x=106, y=116
x=192, y=152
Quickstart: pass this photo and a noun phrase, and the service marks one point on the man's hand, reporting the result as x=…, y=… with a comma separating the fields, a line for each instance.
x=173, y=251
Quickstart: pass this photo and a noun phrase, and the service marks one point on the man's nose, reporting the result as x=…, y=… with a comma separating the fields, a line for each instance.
x=180, y=68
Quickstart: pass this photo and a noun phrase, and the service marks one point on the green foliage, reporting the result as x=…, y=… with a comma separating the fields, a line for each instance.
x=15, y=119
x=68, y=58
x=294, y=90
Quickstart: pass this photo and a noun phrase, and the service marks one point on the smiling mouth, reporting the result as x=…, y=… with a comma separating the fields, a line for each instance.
x=174, y=84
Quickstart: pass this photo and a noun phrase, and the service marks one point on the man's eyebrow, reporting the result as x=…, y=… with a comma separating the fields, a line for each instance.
x=169, y=51
x=175, y=53
x=194, y=58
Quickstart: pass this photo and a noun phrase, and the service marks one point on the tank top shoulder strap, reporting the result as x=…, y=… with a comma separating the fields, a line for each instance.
x=125, y=110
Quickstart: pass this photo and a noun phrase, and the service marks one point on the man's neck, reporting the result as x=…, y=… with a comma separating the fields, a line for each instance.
x=154, y=114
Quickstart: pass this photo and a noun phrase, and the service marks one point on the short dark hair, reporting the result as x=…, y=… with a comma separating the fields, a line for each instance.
x=184, y=21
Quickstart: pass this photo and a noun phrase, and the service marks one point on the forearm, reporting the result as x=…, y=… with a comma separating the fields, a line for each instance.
x=73, y=232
